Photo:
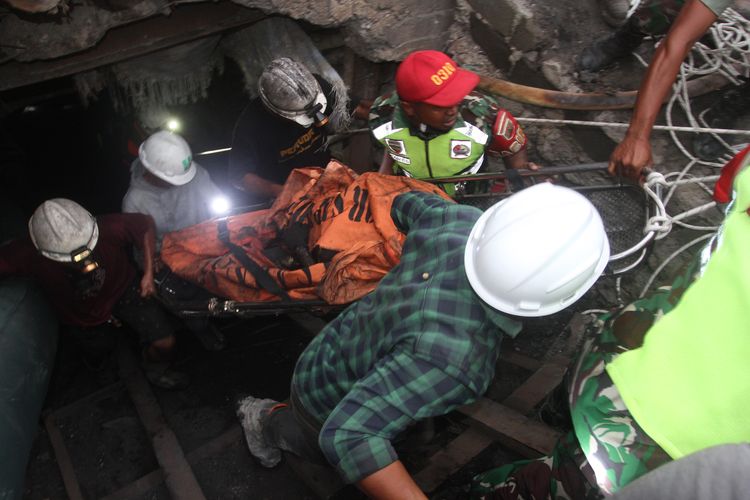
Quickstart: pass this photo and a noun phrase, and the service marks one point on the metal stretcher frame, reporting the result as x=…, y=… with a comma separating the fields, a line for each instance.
x=629, y=243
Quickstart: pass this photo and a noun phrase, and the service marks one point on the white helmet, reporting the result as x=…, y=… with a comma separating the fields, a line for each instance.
x=288, y=89
x=62, y=230
x=167, y=156
x=536, y=252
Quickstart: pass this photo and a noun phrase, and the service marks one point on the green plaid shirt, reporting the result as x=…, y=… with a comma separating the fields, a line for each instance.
x=420, y=345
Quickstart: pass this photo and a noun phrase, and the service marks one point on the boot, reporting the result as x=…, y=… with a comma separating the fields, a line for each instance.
x=733, y=104
x=252, y=413
x=609, y=49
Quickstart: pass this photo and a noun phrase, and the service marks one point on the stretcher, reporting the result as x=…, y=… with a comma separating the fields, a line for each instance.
x=625, y=209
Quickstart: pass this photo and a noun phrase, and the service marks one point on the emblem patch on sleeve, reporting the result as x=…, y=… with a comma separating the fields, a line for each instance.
x=460, y=149
x=396, y=147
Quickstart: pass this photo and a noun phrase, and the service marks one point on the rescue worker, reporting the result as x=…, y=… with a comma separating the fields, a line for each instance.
x=286, y=127
x=167, y=184
x=83, y=265
x=434, y=125
x=661, y=379
x=427, y=339
x=651, y=18
x=176, y=192
x=686, y=24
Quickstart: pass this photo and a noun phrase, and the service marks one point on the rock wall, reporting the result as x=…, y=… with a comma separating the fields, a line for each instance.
x=379, y=30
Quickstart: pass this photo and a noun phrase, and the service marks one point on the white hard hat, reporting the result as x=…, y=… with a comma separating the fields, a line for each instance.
x=60, y=228
x=167, y=156
x=536, y=252
x=288, y=89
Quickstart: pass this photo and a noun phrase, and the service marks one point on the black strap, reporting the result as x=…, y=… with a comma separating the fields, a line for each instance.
x=261, y=276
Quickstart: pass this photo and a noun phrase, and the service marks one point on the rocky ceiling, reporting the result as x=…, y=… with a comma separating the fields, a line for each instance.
x=44, y=39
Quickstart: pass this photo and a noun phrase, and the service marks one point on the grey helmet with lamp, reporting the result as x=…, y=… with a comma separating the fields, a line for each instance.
x=64, y=231
x=289, y=89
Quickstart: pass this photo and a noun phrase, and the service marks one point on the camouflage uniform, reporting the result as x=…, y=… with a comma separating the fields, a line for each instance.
x=656, y=16
x=607, y=446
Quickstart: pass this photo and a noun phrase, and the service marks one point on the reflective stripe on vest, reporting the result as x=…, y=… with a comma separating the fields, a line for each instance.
x=458, y=151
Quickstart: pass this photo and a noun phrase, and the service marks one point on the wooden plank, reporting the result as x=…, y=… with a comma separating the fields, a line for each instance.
x=445, y=462
x=185, y=23
x=491, y=421
x=521, y=360
x=178, y=475
x=138, y=488
x=550, y=374
x=512, y=425
x=469, y=443
x=70, y=480
x=96, y=396
x=535, y=388
x=144, y=484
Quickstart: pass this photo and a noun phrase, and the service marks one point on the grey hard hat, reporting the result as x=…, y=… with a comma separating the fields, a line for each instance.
x=288, y=89
x=60, y=226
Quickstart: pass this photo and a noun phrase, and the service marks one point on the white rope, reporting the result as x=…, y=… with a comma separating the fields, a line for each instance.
x=696, y=130
x=594, y=312
x=730, y=56
x=669, y=259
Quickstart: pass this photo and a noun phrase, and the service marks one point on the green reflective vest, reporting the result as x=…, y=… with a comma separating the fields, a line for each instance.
x=688, y=385
x=456, y=152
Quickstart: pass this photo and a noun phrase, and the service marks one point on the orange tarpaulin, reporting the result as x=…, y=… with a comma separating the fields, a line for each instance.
x=348, y=227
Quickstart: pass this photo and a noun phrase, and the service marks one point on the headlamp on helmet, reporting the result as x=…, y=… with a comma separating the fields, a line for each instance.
x=63, y=231
x=83, y=258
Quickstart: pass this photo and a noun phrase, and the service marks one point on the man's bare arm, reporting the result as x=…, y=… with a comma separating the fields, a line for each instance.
x=260, y=187
x=392, y=482
x=518, y=160
x=634, y=152
x=148, y=288
x=386, y=165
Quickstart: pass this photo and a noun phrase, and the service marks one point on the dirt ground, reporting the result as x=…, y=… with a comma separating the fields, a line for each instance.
x=110, y=449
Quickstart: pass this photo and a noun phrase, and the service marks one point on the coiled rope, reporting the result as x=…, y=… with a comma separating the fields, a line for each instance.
x=728, y=55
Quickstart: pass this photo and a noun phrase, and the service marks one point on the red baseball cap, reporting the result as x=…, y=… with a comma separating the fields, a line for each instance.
x=434, y=78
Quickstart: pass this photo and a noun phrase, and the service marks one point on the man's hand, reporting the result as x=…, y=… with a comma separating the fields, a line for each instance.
x=630, y=157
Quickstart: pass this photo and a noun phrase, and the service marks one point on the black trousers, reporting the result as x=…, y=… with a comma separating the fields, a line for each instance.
x=294, y=430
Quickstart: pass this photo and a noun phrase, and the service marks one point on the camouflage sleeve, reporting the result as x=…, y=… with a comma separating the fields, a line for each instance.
x=382, y=110
x=480, y=109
